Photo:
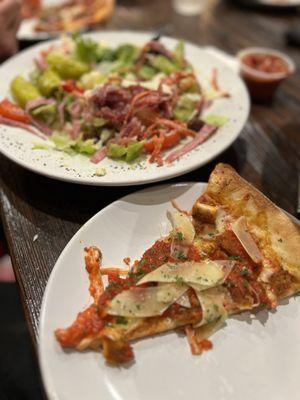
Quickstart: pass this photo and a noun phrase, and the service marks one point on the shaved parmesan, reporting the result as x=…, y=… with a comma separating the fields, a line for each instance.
x=212, y=304
x=184, y=301
x=146, y=302
x=239, y=227
x=205, y=274
x=205, y=331
x=183, y=225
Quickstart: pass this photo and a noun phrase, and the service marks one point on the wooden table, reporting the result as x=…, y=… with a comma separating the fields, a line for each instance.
x=266, y=153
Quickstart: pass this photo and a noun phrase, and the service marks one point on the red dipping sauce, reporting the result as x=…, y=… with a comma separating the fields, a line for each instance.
x=263, y=70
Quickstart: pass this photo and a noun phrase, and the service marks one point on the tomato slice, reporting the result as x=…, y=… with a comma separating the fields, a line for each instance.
x=70, y=86
x=12, y=111
x=169, y=141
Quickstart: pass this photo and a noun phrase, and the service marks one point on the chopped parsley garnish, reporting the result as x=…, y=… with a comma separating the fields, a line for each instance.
x=138, y=307
x=244, y=271
x=165, y=259
x=181, y=256
x=180, y=236
x=137, y=275
x=179, y=279
x=142, y=263
x=216, y=308
x=211, y=234
x=113, y=285
x=237, y=258
x=121, y=321
x=280, y=240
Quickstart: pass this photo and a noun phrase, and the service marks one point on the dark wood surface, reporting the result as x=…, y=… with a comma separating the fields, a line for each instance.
x=266, y=153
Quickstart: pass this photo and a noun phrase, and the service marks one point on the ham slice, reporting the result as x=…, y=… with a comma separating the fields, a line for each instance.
x=75, y=129
x=39, y=101
x=75, y=109
x=99, y=155
x=41, y=62
x=18, y=124
x=61, y=114
x=41, y=126
x=205, y=132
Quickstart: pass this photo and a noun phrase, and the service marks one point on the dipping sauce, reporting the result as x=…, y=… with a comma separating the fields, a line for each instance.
x=265, y=63
x=263, y=70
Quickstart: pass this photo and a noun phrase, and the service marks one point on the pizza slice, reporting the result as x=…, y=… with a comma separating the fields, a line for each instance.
x=74, y=15
x=234, y=251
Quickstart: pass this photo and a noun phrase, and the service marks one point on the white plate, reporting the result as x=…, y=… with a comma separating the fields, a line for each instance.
x=27, y=31
x=17, y=144
x=252, y=357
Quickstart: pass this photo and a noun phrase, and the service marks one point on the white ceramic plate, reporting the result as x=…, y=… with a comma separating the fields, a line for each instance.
x=27, y=31
x=17, y=144
x=253, y=357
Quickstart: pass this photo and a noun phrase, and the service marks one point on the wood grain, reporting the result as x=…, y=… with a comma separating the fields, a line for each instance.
x=267, y=152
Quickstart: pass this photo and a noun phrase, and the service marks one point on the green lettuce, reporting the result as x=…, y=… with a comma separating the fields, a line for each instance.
x=215, y=119
x=129, y=153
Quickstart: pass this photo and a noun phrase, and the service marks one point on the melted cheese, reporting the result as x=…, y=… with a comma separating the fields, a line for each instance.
x=146, y=302
x=205, y=274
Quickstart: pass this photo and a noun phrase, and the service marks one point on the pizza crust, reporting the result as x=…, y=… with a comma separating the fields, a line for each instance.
x=275, y=231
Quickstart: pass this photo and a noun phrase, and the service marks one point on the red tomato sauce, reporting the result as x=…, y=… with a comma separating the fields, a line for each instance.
x=268, y=63
x=263, y=73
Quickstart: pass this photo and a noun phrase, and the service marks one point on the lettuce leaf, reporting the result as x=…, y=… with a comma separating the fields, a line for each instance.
x=215, y=119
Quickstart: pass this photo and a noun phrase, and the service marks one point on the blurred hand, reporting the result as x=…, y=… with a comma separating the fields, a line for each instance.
x=10, y=18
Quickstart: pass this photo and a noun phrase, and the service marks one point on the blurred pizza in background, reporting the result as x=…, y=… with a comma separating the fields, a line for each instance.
x=30, y=8
x=74, y=15
x=64, y=16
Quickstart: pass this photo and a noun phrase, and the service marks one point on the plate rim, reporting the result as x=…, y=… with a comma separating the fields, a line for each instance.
x=145, y=180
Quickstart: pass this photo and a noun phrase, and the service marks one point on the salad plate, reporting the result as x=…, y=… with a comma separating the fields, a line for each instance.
x=30, y=151
x=164, y=367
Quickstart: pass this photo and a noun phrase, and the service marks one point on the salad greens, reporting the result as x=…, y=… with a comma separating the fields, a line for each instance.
x=118, y=102
x=215, y=119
